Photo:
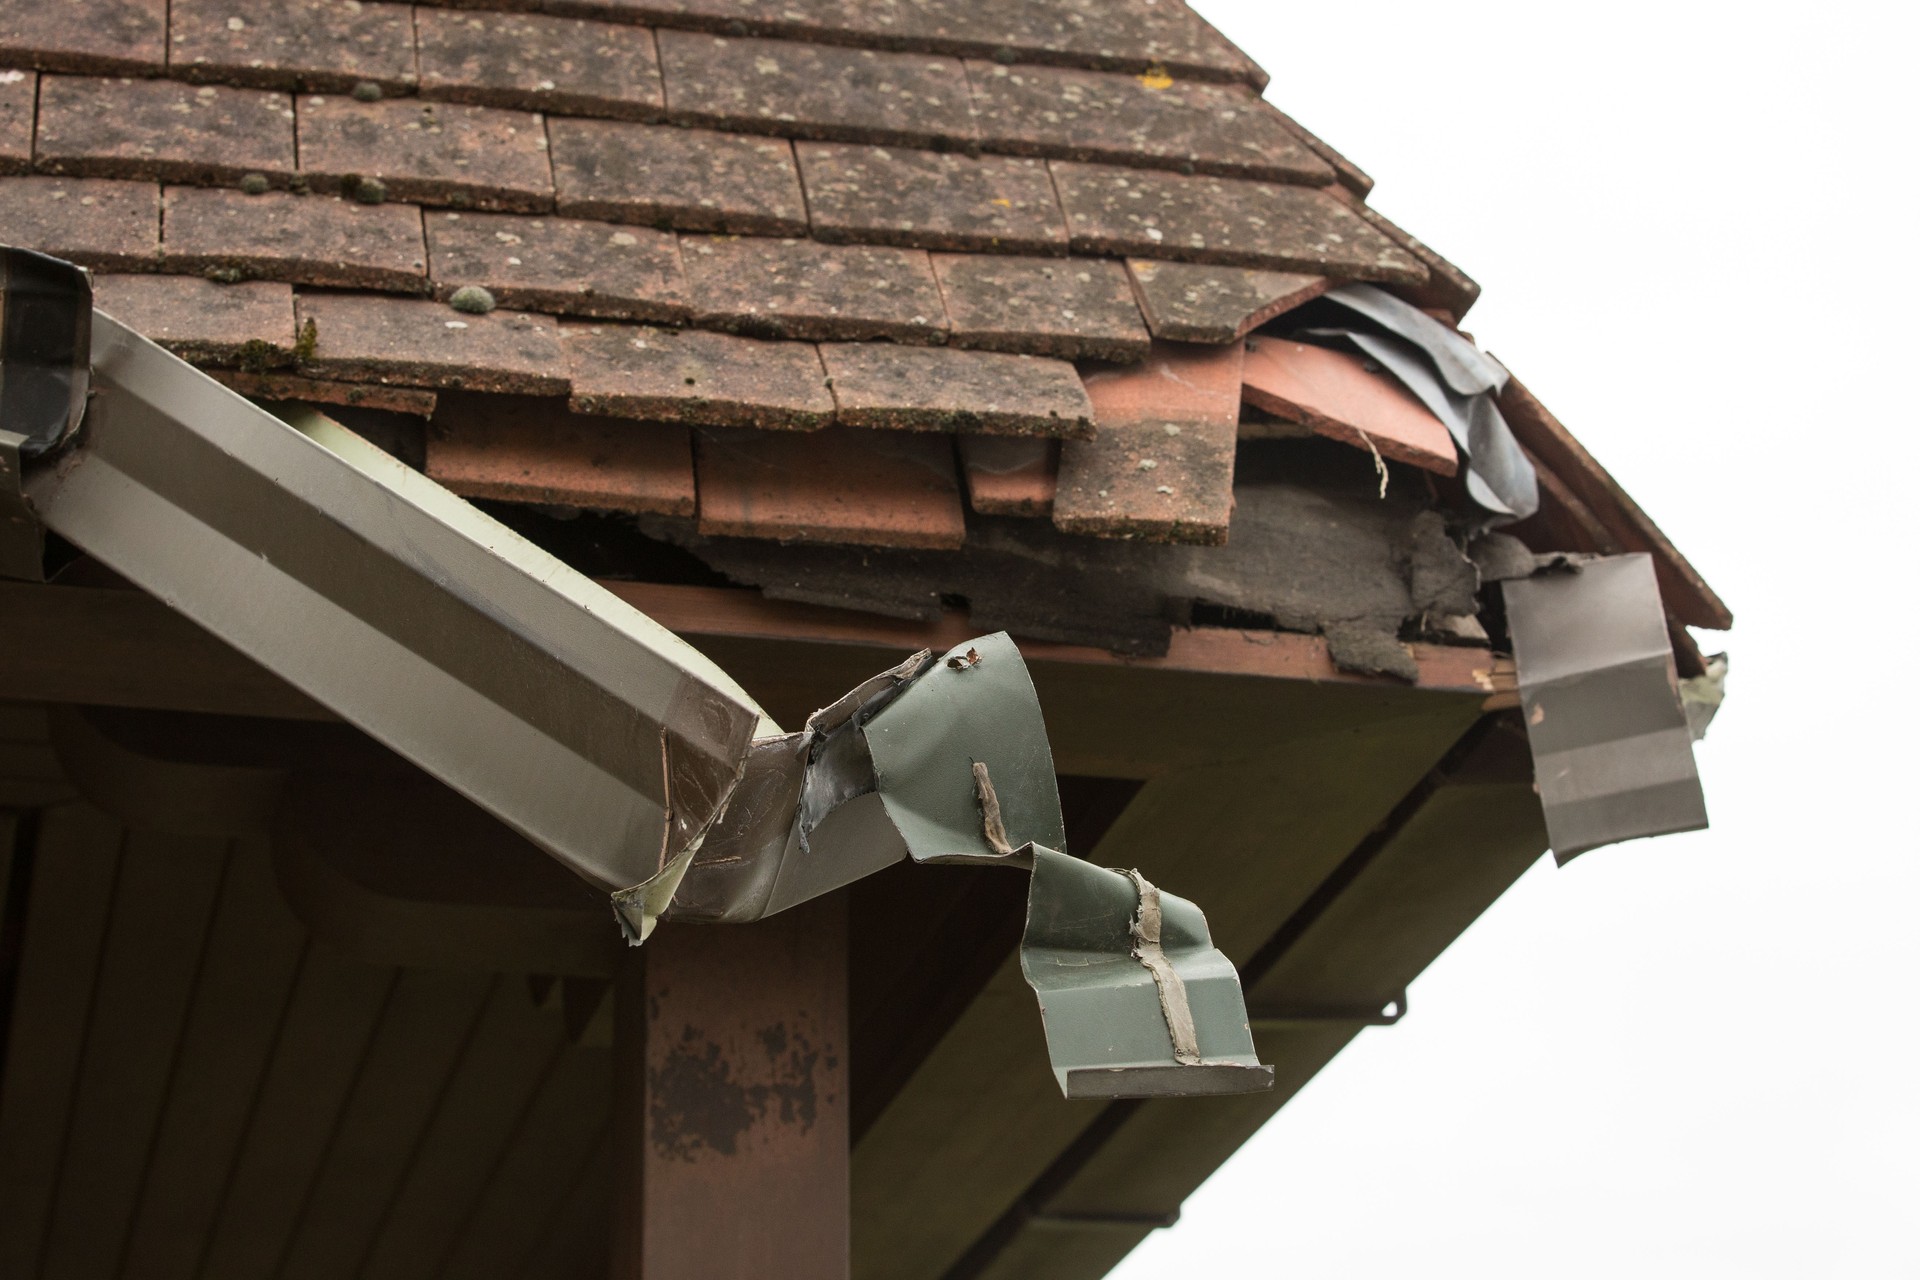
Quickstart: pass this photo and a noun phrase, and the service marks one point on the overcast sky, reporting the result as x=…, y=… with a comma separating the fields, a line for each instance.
x=1693, y=1056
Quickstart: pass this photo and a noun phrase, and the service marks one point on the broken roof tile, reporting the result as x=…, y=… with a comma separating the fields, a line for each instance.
x=18, y=92
x=434, y=152
x=877, y=384
x=1338, y=396
x=539, y=62
x=1207, y=219
x=249, y=323
x=419, y=343
x=293, y=44
x=1074, y=308
x=839, y=485
x=98, y=36
x=694, y=179
x=161, y=129
x=933, y=200
x=97, y=222
x=1010, y=475
x=1205, y=302
x=560, y=264
x=319, y=240
x=535, y=449
x=815, y=91
x=804, y=289
x=695, y=376
x=1189, y=125
x=358, y=395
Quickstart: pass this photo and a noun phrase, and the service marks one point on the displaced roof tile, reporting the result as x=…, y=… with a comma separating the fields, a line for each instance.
x=199, y=320
x=530, y=449
x=99, y=36
x=1148, y=119
x=695, y=179
x=840, y=485
x=560, y=264
x=1010, y=475
x=696, y=376
x=931, y=199
x=415, y=342
x=1447, y=287
x=320, y=240
x=1335, y=394
x=1074, y=308
x=803, y=289
x=293, y=44
x=161, y=129
x=539, y=62
x=358, y=395
x=878, y=384
x=1203, y=302
x=1207, y=219
x=434, y=152
x=18, y=92
x=96, y=222
x=815, y=91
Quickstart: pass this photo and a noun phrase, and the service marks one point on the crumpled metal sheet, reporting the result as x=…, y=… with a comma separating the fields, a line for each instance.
x=1612, y=753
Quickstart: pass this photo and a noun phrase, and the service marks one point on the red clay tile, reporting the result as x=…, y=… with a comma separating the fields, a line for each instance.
x=815, y=91
x=839, y=485
x=102, y=37
x=1207, y=219
x=803, y=289
x=199, y=320
x=1337, y=395
x=878, y=384
x=1074, y=308
x=18, y=92
x=417, y=343
x=161, y=129
x=696, y=376
x=96, y=222
x=358, y=395
x=432, y=152
x=536, y=450
x=694, y=179
x=1161, y=466
x=931, y=200
x=305, y=239
x=1140, y=120
x=312, y=45
x=560, y=264
x=1010, y=475
x=539, y=62
x=1201, y=302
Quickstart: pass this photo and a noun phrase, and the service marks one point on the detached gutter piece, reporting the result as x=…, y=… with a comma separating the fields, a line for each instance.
x=1612, y=752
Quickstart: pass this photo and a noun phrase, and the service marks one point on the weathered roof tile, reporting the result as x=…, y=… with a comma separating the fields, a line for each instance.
x=419, y=343
x=1074, y=308
x=533, y=449
x=19, y=90
x=161, y=129
x=433, y=152
x=539, y=62
x=939, y=389
x=840, y=485
x=932, y=200
x=96, y=222
x=359, y=395
x=695, y=179
x=560, y=264
x=1010, y=475
x=696, y=376
x=1334, y=393
x=1204, y=302
x=804, y=289
x=98, y=36
x=196, y=319
x=319, y=240
x=293, y=44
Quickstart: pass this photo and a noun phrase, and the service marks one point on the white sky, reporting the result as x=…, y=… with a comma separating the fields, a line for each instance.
x=1696, y=1056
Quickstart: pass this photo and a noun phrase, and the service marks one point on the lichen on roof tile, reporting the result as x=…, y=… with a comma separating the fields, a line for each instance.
x=804, y=289
x=419, y=343
x=1074, y=308
x=98, y=36
x=161, y=129
x=293, y=44
x=636, y=371
x=249, y=323
x=19, y=90
x=694, y=179
x=97, y=222
x=1204, y=302
x=560, y=264
x=877, y=384
x=433, y=152
x=539, y=62
x=320, y=240
x=932, y=200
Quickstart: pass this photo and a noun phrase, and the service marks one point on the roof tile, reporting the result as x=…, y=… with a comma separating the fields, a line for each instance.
x=533, y=449
x=96, y=222
x=1091, y=115
x=803, y=289
x=418, y=343
x=18, y=92
x=99, y=36
x=695, y=179
x=539, y=62
x=196, y=319
x=1334, y=393
x=1202, y=302
x=815, y=91
x=931, y=199
x=695, y=376
x=878, y=384
x=358, y=395
x=840, y=485
x=560, y=264
x=1010, y=475
x=293, y=44
x=437, y=153
x=320, y=240
x=1074, y=308
x=1225, y=220
x=161, y=129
